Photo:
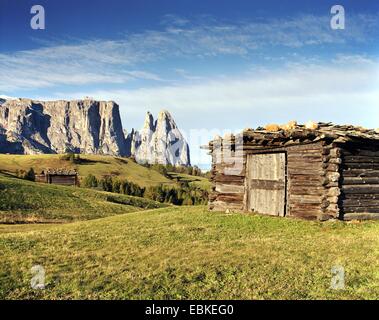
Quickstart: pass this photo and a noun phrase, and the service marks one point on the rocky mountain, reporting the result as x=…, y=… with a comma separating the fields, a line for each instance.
x=87, y=126
x=80, y=126
x=159, y=141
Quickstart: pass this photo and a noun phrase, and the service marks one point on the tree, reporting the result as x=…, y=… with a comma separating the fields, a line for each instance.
x=106, y=183
x=90, y=181
x=116, y=186
x=125, y=187
x=30, y=175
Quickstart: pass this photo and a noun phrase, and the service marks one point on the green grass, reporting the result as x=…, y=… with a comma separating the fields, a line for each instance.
x=188, y=252
x=23, y=201
x=97, y=165
x=195, y=181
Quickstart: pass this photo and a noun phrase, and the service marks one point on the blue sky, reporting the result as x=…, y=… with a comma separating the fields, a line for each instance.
x=215, y=65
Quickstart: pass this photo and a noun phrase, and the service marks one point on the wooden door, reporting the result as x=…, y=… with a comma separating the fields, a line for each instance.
x=266, y=183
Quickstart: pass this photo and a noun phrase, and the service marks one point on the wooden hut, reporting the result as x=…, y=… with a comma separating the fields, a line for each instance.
x=64, y=177
x=315, y=171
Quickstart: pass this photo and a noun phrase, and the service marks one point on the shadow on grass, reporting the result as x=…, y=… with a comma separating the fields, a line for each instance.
x=91, y=162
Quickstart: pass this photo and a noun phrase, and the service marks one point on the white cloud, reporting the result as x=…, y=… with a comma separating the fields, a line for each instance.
x=345, y=90
x=119, y=61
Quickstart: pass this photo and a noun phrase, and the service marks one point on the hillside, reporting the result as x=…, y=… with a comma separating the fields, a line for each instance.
x=195, y=181
x=187, y=252
x=90, y=164
x=23, y=201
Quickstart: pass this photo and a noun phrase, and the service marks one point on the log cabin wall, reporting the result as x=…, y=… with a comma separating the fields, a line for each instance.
x=228, y=180
x=332, y=171
x=305, y=192
x=360, y=182
x=312, y=180
x=312, y=187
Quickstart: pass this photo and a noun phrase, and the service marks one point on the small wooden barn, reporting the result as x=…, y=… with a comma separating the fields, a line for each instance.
x=64, y=177
x=315, y=171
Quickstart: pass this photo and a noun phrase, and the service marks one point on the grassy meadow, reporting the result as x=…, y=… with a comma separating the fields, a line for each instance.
x=24, y=201
x=100, y=245
x=188, y=252
x=96, y=165
x=196, y=181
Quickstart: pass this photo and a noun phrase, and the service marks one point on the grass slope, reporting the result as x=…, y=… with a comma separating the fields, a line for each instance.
x=94, y=164
x=24, y=201
x=195, y=181
x=187, y=252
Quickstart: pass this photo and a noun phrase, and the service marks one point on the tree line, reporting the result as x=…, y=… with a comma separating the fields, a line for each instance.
x=185, y=195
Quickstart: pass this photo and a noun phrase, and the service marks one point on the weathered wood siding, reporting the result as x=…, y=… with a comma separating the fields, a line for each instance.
x=360, y=184
x=312, y=186
x=63, y=180
x=312, y=181
x=228, y=180
x=266, y=183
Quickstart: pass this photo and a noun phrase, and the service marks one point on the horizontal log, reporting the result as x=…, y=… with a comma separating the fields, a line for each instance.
x=359, y=165
x=305, y=185
x=305, y=182
x=358, y=196
x=307, y=147
x=304, y=166
x=307, y=200
x=360, y=152
x=362, y=209
x=359, y=180
x=360, y=159
x=360, y=216
x=229, y=197
x=366, y=189
x=359, y=203
x=318, y=197
x=360, y=172
x=295, y=193
x=309, y=157
x=229, y=188
x=229, y=179
x=306, y=172
x=308, y=215
x=304, y=207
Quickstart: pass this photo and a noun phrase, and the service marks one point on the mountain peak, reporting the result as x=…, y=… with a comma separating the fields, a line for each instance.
x=160, y=142
x=149, y=121
x=165, y=121
x=80, y=126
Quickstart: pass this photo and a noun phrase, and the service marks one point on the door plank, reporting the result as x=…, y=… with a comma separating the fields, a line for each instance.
x=267, y=183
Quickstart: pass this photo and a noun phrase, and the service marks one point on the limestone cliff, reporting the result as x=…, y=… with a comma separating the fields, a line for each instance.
x=87, y=126
x=80, y=126
x=159, y=141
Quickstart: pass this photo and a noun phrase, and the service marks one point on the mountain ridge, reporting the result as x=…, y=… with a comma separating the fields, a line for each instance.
x=87, y=126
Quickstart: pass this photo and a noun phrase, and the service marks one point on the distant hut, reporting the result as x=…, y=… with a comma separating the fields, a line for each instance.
x=314, y=171
x=64, y=177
